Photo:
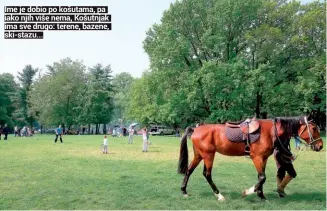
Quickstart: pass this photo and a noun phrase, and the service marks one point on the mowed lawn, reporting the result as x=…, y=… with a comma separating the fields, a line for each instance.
x=37, y=174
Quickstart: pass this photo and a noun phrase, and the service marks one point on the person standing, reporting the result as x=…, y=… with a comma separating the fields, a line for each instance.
x=131, y=134
x=5, y=131
x=105, y=145
x=145, y=140
x=114, y=132
x=124, y=131
x=297, y=142
x=25, y=131
x=16, y=131
x=59, y=133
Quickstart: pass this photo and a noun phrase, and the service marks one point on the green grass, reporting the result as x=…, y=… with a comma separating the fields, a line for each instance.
x=36, y=174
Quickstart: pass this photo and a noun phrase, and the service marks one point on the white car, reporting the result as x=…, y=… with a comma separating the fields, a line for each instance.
x=161, y=130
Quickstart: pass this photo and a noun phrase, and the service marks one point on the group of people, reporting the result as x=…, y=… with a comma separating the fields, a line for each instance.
x=118, y=132
x=21, y=132
x=131, y=131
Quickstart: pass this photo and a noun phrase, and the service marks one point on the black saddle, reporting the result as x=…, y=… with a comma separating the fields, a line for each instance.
x=236, y=135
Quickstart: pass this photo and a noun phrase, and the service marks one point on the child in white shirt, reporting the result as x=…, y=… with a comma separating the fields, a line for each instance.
x=145, y=140
x=105, y=145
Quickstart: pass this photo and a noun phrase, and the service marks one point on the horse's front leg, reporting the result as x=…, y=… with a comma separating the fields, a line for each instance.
x=260, y=165
x=208, y=163
x=195, y=162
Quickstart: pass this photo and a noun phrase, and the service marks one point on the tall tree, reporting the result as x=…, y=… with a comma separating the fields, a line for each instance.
x=121, y=83
x=56, y=98
x=8, y=99
x=98, y=105
x=25, y=78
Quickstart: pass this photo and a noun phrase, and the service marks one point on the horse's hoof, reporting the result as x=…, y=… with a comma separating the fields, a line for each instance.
x=223, y=199
x=220, y=197
x=185, y=195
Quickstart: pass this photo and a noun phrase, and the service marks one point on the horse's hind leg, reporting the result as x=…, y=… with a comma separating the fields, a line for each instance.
x=260, y=165
x=208, y=162
x=195, y=162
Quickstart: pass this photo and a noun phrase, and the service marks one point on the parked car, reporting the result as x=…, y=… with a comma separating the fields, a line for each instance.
x=161, y=130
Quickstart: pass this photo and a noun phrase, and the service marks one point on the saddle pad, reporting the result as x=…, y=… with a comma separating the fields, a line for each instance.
x=236, y=135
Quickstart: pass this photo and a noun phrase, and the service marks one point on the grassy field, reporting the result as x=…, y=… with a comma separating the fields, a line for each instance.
x=37, y=174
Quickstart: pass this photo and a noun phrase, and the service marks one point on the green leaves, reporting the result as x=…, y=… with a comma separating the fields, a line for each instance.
x=226, y=60
x=121, y=84
x=99, y=95
x=8, y=98
x=26, y=80
x=57, y=97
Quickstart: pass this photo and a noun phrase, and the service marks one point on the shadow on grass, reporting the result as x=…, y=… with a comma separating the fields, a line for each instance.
x=306, y=196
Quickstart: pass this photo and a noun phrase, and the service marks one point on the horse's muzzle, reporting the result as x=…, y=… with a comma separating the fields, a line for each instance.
x=318, y=148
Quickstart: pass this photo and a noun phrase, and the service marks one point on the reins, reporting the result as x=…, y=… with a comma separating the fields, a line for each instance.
x=282, y=145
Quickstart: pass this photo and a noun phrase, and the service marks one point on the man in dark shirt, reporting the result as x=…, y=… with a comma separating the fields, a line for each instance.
x=5, y=131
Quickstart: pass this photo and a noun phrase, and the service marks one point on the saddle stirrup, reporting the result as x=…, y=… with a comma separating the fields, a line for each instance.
x=247, y=146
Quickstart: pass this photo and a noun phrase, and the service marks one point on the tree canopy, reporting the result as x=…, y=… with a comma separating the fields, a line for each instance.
x=218, y=60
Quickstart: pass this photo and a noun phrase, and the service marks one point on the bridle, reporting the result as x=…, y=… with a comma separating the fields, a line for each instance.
x=310, y=144
x=312, y=140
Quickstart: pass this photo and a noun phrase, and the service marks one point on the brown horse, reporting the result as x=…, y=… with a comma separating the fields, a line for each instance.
x=211, y=138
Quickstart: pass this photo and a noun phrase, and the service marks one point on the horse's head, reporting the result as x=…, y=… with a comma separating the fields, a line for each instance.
x=310, y=133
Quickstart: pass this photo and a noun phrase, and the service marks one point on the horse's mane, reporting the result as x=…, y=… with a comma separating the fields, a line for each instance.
x=290, y=125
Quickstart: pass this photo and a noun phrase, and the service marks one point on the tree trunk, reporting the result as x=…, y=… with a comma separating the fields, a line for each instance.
x=257, y=106
x=264, y=115
x=227, y=51
x=104, y=129
x=97, y=129
x=89, y=129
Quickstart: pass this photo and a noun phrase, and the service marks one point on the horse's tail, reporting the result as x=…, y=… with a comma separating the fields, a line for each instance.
x=183, y=154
